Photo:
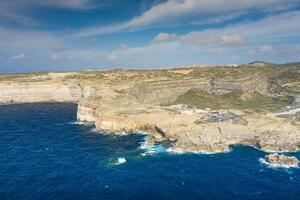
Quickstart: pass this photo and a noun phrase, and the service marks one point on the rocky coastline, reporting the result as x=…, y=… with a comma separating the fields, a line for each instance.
x=196, y=109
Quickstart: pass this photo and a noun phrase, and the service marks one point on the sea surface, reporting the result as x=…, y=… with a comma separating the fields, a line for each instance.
x=45, y=154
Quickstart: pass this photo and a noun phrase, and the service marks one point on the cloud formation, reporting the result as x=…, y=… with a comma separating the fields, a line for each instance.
x=18, y=10
x=17, y=57
x=274, y=37
x=173, y=9
x=164, y=37
x=273, y=28
x=260, y=40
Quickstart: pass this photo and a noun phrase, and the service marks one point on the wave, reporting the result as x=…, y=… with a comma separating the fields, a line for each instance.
x=174, y=150
x=145, y=144
x=270, y=165
x=158, y=148
x=121, y=133
x=120, y=161
x=151, y=149
x=141, y=133
x=154, y=149
x=79, y=123
x=283, y=151
x=95, y=130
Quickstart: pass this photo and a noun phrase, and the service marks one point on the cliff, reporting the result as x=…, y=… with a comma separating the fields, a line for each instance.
x=52, y=87
x=196, y=109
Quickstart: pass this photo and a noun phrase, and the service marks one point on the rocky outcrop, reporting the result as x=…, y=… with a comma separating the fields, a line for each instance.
x=282, y=160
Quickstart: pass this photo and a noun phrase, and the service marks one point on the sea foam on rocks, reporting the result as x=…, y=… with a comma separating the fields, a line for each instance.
x=280, y=161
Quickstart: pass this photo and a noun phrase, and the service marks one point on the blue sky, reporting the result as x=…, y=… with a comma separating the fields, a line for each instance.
x=56, y=35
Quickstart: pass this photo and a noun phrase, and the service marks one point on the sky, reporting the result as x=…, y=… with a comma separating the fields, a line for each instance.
x=72, y=35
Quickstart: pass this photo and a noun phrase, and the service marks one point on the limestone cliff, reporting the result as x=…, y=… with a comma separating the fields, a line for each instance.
x=223, y=106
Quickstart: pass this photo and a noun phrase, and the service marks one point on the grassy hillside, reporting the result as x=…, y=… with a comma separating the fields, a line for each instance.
x=236, y=100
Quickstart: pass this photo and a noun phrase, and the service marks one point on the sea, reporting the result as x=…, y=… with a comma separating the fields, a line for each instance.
x=46, y=154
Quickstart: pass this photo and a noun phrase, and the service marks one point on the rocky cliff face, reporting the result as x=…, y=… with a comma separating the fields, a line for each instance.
x=130, y=100
x=50, y=87
x=28, y=92
x=86, y=112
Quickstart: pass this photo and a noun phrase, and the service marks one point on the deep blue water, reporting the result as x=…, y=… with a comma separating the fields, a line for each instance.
x=44, y=156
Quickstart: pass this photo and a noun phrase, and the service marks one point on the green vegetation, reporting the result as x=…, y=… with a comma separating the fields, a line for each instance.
x=235, y=100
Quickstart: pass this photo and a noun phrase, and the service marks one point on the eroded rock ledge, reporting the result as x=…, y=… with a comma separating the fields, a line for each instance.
x=196, y=109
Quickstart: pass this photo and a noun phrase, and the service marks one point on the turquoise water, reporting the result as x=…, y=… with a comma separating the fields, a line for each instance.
x=43, y=155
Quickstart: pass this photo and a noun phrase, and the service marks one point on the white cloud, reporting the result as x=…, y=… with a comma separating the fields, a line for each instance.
x=18, y=18
x=68, y=4
x=19, y=10
x=234, y=41
x=17, y=57
x=201, y=38
x=111, y=56
x=170, y=10
x=289, y=49
x=207, y=38
x=281, y=50
x=218, y=19
x=230, y=44
x=164, y=37
x=28, y=41
x=123, y=46
x=265, y=49
x=218, y=50
x=274, y=28
x=46, y=50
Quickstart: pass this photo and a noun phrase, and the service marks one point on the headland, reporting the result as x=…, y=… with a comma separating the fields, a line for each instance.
x=196, y=109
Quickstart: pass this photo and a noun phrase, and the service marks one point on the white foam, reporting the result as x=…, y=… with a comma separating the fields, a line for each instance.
x=120, y=161
x=98, y=132
x=143, y=154
x=175, y=150
x=263, y=161
x=121, y=133
x=77, y=123
x=274, y=151
x=145, y=144
x=94, y=130
x=148, y=153
x=181, y=151
x=141, y=133
x=151, y=149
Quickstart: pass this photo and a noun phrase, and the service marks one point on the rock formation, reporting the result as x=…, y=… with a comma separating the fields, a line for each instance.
x=282, y=160
x=198, y=109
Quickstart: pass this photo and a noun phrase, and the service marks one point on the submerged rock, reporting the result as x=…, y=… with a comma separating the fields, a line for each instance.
x=282, y=160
